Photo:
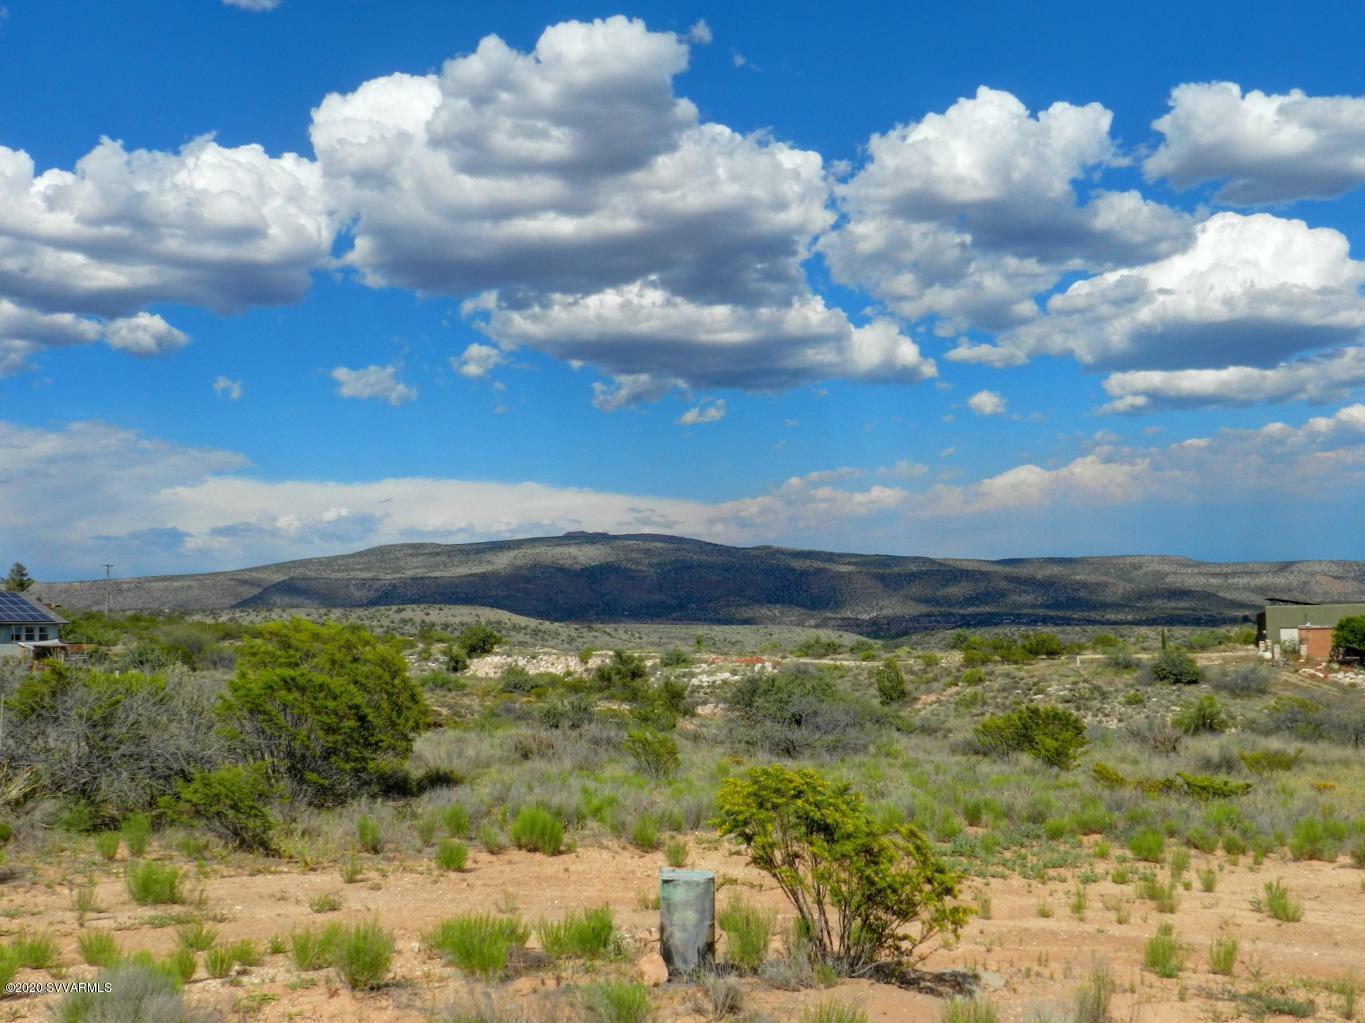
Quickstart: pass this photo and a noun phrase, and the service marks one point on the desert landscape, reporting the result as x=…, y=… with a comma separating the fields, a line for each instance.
x=1198, y=854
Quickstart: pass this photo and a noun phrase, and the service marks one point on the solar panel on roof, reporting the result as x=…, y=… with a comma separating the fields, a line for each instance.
x=14, y=608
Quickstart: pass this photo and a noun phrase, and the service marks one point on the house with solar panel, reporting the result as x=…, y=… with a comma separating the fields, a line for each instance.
x=28, y=629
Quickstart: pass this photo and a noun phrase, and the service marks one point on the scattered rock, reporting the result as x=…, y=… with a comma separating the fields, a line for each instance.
x=652, y=971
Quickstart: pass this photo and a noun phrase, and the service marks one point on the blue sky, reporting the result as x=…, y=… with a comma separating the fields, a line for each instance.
x=283, y=279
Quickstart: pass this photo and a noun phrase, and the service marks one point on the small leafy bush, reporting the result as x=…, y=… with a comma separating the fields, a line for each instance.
x=1278, y=903
x=582, y=934
x=1223, y=956
x=655, y=753
x=890, y=682
x=362, y=955
x=1270, y=761
x=232, y=803
x=98, y=948
x=1163, y=954
x=1175, y=667
x=1148, y=845
x=219, y=961
x=368, y=836
x=618, y=1002
x=955, y=1010
x=197, y=936
x=137, y=833
x=1053, y=735
x=106, y=844
x=127, y=991
x=536, y=829
x=748, y=933
x=863, y=893
x=154, y=884
x=36, y=950
x=451, y=855
x=1202, y=716
x=479, y=943
x=1205, y=787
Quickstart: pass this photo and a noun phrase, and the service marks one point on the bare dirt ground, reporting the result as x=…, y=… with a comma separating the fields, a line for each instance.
x=1028, y=962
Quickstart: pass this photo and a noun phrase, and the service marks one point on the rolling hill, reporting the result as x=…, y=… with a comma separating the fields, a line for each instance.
x=598, y=577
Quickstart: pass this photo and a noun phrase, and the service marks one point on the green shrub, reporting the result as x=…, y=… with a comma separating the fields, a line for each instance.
x=98, y=948
x=1270, y=761
x=798, y=711
x=134, y=990
x=1163, y=954
x=644, y=833
x=136, y=831
x=362, y=955
x=1175, y=667
x=311, y=949
x=197, y=936
x=890, y=682
x=1278, y=903
x=817, y=647
x=1205, y=787
x=1148, y=845
x=232, y=803
x=1223, y=956
x=1093, y=997
x=36, y=950
x=618, y=1002
x=1348, y=635
x=181, y=965
x=478, y=640
x=675, y=658
x=1310, y=839
x=1041, y=644
x=246, y=952
x=583, y=934
x=154, y=884
x=675, y=852
x=9, y=965
x=655, y=753
x=219, y=962
x=863, y=893
x=1204, y=715
x=479, y=943
x=955, y=1010
x=455, y=821
x=368, y=836
x=536, y=829
x=451, y=855
x=1053, y=735
x=323, y=706
x=106, y=844
x=748, y=933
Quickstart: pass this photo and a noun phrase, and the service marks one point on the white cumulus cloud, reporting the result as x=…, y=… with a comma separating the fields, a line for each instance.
x=227, y=388
x=706, y=412
x=966, y=215
x=1262, y=148
x=477, y=360
x=987, y=403
x=379, y=382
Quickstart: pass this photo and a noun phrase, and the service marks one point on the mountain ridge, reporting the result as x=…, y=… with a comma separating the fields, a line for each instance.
x=652, y=577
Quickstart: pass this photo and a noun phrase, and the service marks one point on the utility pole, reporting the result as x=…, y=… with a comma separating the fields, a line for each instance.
x=108, y=567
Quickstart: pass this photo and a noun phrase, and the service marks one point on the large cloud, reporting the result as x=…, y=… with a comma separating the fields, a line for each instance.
x=1316, y=380
x=170, y=508
x=83, y=251
x=594, y=214
x=1249, y=291
x=1263, y=148
x=966, y=215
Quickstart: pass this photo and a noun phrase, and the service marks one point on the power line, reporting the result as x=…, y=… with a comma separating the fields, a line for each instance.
x=108, y=568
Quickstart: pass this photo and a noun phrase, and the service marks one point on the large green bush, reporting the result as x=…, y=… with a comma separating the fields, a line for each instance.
x=799, y=711
x=1348, y=635
x=111, y=744
x=233, y=802
x=863, y=893
x=323, y=706
x=890, y=682
x=1053, y=735
x=1176, y=667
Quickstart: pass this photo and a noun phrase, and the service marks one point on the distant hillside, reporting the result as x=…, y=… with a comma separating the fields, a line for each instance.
x=597, y=577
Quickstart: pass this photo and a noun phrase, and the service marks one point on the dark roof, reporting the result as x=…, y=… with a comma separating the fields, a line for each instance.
x=17, y=609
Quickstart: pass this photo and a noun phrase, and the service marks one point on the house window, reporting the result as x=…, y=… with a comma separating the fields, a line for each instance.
x=42, y=632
